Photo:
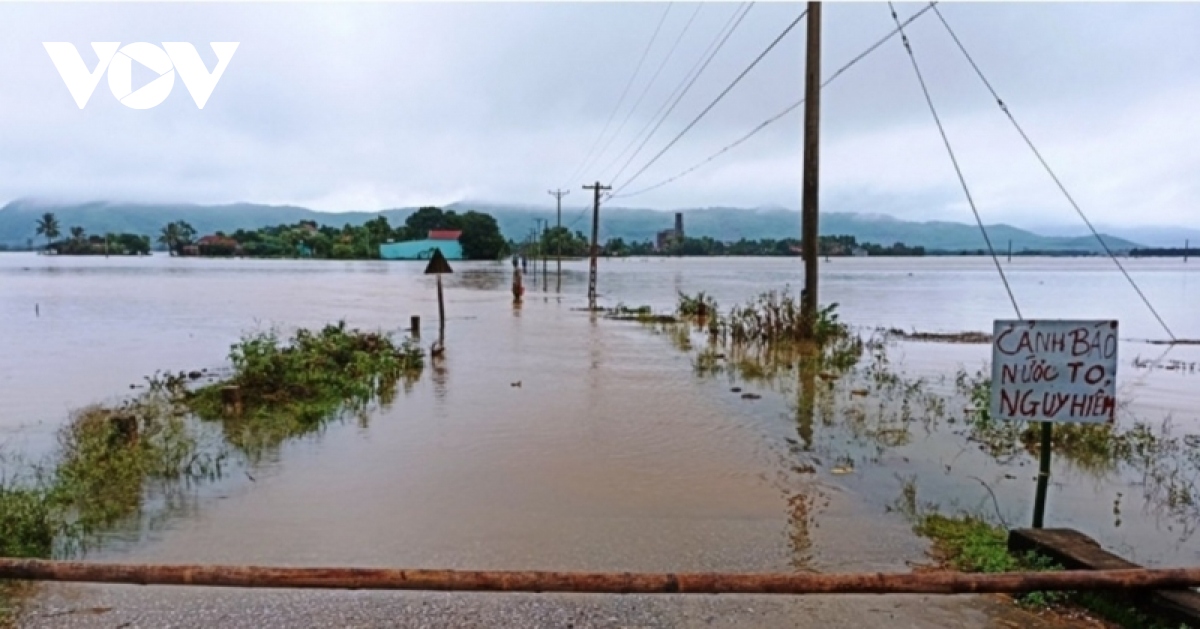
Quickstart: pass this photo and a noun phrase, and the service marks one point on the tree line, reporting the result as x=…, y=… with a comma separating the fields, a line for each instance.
x=576, y=244
x=79, y=243
x=480, y=239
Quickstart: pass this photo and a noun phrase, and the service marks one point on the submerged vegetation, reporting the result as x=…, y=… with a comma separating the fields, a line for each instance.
x=769, y=334
x=854, y=407
x=288, y=389
x=110, y=460
x=1167, y=465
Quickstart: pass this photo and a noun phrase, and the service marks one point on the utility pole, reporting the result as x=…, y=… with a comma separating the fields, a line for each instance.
x=531, y=250
x=1186, y=245
x=558, y=195
x=542, y=247
x=597, y=188
x=808, y=202
x=541, y=240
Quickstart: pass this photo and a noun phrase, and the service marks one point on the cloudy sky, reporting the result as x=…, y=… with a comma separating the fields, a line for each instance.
x=372, y=106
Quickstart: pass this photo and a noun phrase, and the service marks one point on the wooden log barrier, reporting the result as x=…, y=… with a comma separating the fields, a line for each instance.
x=1075, y=551
x=597, y=583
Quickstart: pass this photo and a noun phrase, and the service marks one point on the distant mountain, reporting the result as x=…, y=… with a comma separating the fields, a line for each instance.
x=1167, y=236
x=17, y=223
x=724, y=223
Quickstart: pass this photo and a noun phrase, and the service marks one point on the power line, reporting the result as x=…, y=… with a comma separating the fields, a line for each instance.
x=689, y=83
x=588, y=157
x=582, y=214
x=1050, y=171
x=954, y=160
x=715, y=100
x=769, y=121
x=646, y=90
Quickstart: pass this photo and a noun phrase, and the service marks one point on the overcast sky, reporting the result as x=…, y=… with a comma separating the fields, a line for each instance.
x=373, y=106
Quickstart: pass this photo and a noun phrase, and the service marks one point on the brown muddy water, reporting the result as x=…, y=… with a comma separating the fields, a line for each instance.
x=550, y=439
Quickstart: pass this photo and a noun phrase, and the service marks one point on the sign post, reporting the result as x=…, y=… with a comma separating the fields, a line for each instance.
x=1053, y=371
x=437, y=266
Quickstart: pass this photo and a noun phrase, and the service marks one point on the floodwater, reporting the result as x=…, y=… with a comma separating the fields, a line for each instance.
x=550, y=439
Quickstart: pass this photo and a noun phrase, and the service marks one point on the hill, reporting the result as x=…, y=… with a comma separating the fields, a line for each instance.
x=728, y=224
x=17, y=223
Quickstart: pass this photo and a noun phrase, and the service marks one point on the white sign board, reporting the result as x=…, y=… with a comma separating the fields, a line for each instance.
x=1054, y=371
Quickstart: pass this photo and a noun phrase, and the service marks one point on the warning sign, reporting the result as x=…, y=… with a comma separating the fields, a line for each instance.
x=1055, y=371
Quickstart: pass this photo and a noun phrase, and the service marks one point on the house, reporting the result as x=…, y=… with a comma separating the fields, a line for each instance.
x=217, y=245
x=444, y=239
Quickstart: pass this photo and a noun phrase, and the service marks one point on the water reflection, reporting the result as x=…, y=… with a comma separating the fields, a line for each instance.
x=482, y=279
x=805, y=403
x=439, y=377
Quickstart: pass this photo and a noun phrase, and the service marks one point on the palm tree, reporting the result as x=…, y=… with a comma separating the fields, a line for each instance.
x=187, y=234
x=77, y=234
x=169, y=237
x=47, y=226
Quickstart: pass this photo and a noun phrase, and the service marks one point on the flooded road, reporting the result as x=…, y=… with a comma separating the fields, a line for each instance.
x=549, y=439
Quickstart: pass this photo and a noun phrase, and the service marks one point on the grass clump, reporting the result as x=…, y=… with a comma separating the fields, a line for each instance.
x=27, y=522
x=698, y=305
x=972, y=544
x=771, y=330
x=332, y=362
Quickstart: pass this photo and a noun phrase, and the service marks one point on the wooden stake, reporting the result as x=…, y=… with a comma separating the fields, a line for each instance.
x=231, y=399
x=599, y=583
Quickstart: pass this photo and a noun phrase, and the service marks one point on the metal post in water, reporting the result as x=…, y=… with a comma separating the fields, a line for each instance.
x=441, y=308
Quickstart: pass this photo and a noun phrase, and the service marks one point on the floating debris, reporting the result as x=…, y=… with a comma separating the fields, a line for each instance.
x=980, y=338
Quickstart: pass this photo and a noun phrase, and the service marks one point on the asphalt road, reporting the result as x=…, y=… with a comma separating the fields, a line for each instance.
x=112, y=607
